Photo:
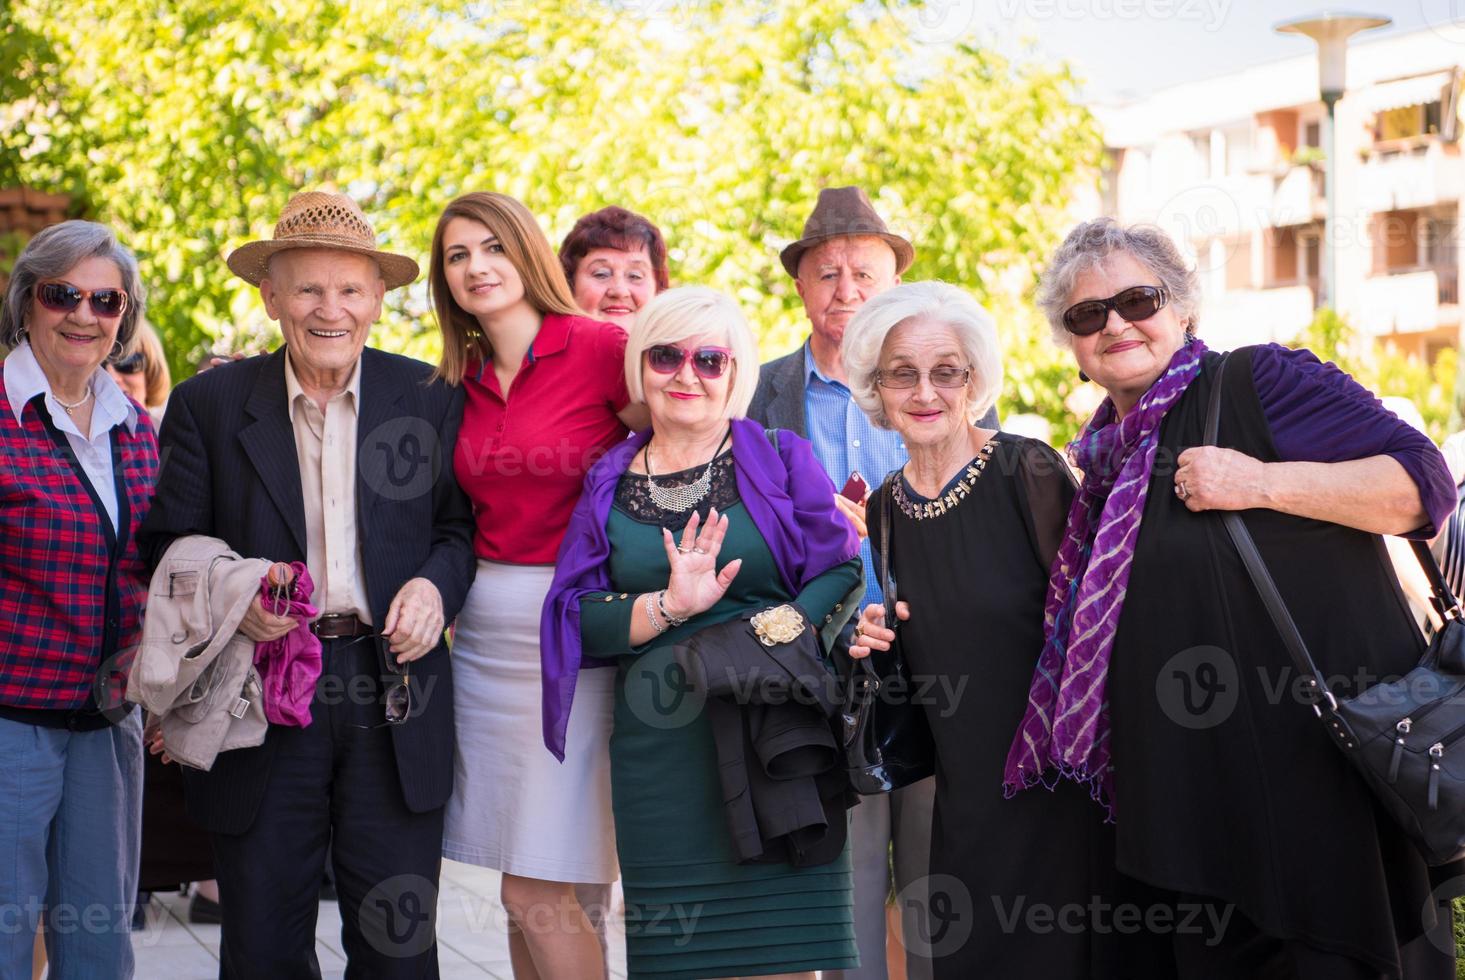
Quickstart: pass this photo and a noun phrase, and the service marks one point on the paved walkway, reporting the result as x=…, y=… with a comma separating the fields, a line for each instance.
x=472, y=935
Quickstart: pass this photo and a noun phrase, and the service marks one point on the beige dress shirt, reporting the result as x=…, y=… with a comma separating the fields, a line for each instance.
x=325, y=445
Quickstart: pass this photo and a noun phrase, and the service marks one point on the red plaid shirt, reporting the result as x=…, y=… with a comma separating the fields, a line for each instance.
x=56, y=566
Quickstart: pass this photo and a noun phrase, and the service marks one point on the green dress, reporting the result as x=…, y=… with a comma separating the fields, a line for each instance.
x=692, y=910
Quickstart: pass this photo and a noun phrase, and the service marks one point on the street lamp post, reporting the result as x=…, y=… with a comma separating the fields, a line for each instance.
x=1331, y=31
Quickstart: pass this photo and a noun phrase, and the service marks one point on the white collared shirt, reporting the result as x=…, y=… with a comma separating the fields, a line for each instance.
x=24, y=379
x=325, y=448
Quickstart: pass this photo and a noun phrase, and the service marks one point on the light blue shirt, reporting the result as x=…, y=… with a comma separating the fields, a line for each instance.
x=24, y=380
x=846, y=440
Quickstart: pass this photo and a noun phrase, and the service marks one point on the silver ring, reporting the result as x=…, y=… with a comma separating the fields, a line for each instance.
x=700, y=551
x=1181, y=491
x=683, y=551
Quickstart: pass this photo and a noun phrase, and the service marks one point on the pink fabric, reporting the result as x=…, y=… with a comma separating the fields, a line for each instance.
x=289, y=666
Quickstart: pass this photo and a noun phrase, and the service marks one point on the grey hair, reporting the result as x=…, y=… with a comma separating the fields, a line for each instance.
x=1091, y=243
x=54, y=252
x=934, y=302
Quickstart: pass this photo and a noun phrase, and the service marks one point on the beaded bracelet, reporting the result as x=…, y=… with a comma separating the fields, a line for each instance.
x=651, y=617
x=661, y=608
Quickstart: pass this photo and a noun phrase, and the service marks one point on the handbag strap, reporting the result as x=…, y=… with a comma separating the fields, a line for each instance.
x=1444, y=599
x=887, y=580
x=1292, y=639
x=1302, y=661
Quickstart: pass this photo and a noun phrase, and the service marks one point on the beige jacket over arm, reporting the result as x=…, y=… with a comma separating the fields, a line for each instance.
x=194, y=671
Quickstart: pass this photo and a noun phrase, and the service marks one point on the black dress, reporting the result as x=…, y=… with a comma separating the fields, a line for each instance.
x=1226, y=786
x=1013, y=882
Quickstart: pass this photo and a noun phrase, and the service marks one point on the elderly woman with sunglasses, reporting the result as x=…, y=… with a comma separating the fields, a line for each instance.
x=975, y=519
x=1163, y=687
x=80, y=464
x=700, y=519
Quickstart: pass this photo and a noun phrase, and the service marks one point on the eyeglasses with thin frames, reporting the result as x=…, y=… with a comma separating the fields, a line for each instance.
x=942, y=376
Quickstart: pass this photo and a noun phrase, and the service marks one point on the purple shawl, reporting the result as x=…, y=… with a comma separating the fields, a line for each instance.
x=788, y=496
x=1065, y=731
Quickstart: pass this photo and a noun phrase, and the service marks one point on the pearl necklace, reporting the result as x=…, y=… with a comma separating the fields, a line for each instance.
x=681, y=499
x=74, y=405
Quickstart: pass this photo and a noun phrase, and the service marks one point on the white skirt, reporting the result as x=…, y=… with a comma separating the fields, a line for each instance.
x=514, y=806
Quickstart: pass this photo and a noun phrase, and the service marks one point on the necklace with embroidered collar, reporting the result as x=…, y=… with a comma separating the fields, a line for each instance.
x=948, y=500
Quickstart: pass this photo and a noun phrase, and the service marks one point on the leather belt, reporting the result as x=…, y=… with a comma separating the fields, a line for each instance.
x=337, y=625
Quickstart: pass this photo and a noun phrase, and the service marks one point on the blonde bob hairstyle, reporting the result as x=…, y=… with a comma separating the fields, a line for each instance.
x=922, y=302
x=695, y=311
x=155, y=372
x=527, y=249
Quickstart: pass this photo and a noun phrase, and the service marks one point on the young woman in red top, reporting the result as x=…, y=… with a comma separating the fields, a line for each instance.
x=546, y=396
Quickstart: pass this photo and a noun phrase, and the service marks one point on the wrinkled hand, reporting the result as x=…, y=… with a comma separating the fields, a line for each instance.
x=1212, y=478
x=695, y=584
x=261, y=625
x=217, y=361
x=152, y=737
x=414, y=620
x=871, y=633
x=855, y=512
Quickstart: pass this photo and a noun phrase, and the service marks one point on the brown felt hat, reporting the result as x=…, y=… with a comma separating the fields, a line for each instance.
x=839, y=213
x=313, y=219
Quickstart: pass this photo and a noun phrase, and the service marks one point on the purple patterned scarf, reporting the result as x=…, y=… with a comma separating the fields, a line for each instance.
x=1065, y=731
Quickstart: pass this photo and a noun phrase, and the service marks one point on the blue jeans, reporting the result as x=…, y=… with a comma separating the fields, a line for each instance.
x=70, y=833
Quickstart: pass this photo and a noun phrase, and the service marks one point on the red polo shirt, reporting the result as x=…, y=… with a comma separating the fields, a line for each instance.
x=522, y=459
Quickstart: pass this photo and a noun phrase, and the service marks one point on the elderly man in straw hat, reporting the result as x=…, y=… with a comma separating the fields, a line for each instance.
x=336, y=455
x=845, y=256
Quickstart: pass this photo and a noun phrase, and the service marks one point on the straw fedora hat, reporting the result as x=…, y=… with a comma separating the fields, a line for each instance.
x=313, y=219
x=839, y=213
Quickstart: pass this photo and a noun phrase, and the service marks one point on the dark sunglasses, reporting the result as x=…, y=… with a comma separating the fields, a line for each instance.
x=131, y=364
x=943, y=376
x=708, y=363
x=399, y=694
x=398, y=698
x=1133, y=304
x=63, y=297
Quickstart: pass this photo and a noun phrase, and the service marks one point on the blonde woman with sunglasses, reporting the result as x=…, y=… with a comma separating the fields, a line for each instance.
x=700, y=520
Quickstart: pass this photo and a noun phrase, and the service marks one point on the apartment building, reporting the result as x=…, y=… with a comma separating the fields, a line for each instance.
x=1232, y=168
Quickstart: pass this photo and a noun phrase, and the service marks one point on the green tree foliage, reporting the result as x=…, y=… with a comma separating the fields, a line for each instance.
x=1385, y=371
x=719, y=119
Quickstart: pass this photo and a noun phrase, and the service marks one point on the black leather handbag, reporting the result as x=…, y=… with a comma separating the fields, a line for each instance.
x=1406, y=737
x=887, y=740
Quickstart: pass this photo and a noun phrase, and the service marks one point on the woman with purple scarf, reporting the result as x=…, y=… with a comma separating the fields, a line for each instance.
x=976, y=518
x=638, y=574
x=1247, y=842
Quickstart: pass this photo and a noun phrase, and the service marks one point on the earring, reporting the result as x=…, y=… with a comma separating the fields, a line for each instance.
x=1083, y=377
x=1189, y=334
x=116, y=350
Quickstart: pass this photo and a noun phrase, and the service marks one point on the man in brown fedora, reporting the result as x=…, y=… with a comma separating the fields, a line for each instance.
x=845, y=256
x=338, y=456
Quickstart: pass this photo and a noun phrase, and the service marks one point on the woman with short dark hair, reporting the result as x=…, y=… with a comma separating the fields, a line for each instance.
x=614, y=261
